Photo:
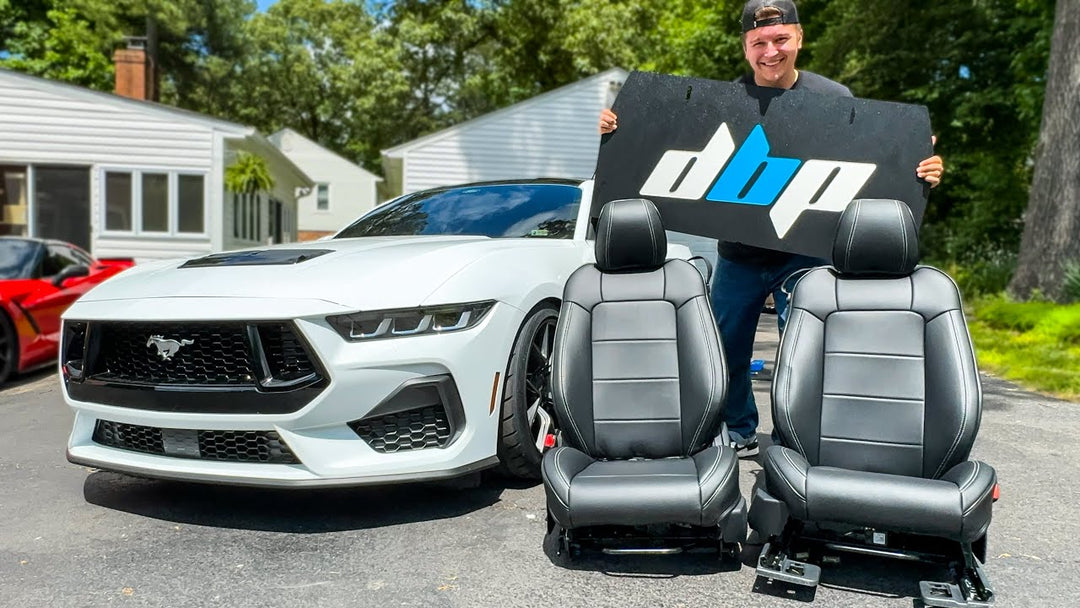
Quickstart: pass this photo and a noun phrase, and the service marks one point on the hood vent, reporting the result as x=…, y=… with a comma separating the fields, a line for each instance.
x=264, y=257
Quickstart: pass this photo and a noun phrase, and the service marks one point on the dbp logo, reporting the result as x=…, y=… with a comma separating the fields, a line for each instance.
x=755, y=178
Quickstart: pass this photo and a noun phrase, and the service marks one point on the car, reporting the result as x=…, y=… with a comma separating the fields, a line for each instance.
x=38, y=280
x=414, y=344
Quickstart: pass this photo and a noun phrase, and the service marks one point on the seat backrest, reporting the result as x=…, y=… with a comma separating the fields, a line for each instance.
x=876, y=370
x=638, y=370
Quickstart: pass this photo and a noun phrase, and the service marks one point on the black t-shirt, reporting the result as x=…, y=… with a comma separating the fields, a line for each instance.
x=738, y=252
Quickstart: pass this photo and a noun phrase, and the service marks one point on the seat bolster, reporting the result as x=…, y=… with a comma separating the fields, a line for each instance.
x=896, y=503
x=718, y=481
x=785, y=478
x=559, y=468
x=976, y=481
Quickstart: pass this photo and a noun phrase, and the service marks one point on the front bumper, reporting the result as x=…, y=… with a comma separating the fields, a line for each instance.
x=330, y=447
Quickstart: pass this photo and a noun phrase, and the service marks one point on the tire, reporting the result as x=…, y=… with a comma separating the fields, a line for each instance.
x=527, y=407
x=9, y=349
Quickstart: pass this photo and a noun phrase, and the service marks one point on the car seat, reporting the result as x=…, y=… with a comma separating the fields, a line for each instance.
x=876, y=401
x=639, y=380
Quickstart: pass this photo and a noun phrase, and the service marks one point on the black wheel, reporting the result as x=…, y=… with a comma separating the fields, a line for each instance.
x=528, y=412
x=9, y=349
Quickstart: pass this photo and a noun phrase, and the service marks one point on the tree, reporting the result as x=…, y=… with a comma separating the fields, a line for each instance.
x=55, y=39
x=980, y=68
x=1052, y=220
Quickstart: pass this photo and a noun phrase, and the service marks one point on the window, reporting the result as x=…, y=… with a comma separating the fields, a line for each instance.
x=117, y=201
x=322, y=201
x=57, y=259
x=155, y=202
x=13, y=204
x=62, y=204
x=497, y=211
x=190, y=205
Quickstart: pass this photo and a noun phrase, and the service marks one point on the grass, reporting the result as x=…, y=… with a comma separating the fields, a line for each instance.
x=1036, y=344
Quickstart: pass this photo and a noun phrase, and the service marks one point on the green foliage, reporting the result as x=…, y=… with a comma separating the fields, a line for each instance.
x=980, y=68
x=53, y=39
x=248, y=174
x=1071, y=281
x=1035, y=343
x=359, y=76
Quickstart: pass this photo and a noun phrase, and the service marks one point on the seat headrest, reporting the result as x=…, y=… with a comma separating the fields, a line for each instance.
x=876, y=237
x=630, y=236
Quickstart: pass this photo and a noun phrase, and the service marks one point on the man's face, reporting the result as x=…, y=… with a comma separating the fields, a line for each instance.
x=771, y=51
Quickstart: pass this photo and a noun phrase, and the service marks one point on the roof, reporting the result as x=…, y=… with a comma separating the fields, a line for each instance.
x=400, y=150
x=125, y=102
x=276, y=137
x=230, y=130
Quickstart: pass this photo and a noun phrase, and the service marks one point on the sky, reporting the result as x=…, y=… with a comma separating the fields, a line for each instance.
x=264, y=4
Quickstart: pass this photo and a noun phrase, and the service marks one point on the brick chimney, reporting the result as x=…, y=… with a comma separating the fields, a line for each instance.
x=134, y=70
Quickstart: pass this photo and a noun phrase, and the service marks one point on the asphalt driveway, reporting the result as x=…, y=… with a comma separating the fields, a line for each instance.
x=71, y=536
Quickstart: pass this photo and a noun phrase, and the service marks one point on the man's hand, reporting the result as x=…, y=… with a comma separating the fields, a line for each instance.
x=929, y=169
x=608, y=121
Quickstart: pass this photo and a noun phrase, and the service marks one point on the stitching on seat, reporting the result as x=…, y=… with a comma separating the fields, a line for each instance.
x=607, y=245
x=652, y=235
x=723, y=482
x=712, y=469
x=963, y=400
x=712, y=378
x=562, y=477
x=851, y=235
x=979, y=500
x=971, y=480
x=903, y=232
x=787, y=393
x=562, y=375
x=787, y=457
x=785, y=479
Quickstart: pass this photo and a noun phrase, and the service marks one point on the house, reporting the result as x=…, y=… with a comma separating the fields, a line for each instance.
x=550, y=135
x=124, y=176
x=343, y=190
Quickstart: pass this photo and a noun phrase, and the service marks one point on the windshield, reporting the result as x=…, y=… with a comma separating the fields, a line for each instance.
x=18, y=258
x=498, y=211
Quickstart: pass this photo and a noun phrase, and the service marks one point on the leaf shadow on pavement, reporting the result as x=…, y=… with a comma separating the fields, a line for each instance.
x=304, y=511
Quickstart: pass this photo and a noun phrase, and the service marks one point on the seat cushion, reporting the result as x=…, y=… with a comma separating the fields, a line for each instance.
x=698, y=490
x=957, y=506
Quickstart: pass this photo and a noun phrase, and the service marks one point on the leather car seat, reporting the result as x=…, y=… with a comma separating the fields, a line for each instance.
x=877, y=402
x=639, y=380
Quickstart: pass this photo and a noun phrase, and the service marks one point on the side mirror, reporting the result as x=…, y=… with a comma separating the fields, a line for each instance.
x=70, y=272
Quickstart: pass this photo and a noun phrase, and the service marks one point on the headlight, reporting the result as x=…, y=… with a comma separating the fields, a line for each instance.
x=401, y=322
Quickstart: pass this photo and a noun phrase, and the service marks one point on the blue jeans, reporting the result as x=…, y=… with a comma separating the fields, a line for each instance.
x=739, y=290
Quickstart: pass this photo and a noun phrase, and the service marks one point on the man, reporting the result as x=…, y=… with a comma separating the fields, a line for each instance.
x=746, y=275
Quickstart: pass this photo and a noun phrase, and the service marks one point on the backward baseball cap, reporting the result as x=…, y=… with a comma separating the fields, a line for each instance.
x=786, y=8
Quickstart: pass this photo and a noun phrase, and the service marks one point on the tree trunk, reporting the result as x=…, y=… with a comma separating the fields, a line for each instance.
x=1052, y=221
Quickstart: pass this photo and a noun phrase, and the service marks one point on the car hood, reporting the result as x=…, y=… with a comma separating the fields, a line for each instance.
x=360, y=273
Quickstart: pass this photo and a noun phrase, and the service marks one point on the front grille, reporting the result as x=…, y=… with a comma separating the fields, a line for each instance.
x=144, y=439
x=231, y=446
x=285, y=354
x=232, y=354
x=411, y=430
x=205, y=354
x=245, y=446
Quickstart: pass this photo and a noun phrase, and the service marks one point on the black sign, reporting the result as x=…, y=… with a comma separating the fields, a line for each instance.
x=760, y=166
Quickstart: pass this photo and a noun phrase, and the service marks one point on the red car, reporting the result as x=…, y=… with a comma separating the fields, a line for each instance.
x=39, y=279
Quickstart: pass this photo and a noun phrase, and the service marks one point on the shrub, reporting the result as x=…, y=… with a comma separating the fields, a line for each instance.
x=1070, y=287
x=1002, y=313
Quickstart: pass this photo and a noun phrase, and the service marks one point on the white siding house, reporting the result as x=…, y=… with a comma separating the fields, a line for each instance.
x=343, y=190
x=551, y=135
x=124, y=177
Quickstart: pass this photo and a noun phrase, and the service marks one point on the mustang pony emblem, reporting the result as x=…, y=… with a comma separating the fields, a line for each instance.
x=167, y=348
